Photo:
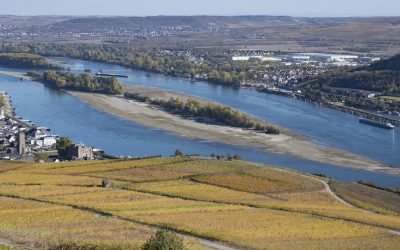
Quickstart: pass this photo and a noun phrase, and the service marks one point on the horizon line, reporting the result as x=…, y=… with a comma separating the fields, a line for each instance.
x=197, y=15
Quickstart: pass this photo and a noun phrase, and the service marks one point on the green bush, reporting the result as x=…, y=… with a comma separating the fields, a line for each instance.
x=178, y=152
x=164, y=240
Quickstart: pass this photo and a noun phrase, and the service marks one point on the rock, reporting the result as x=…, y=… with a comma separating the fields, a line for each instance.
x=106, y=184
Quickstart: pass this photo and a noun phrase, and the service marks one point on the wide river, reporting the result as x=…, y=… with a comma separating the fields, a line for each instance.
x=67, y=115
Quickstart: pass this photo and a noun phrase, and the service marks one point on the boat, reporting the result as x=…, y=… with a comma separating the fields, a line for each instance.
x=113, y=75
x=386, y=125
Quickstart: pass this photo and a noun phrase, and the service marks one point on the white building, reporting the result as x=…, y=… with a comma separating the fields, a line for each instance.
x=261, y=58
x=49, y=141
x=240, y=58
x=300, y=58
x=326, y=57
x=270, y=59
x=2, y=115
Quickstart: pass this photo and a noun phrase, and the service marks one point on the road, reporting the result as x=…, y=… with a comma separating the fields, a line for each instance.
x=326, y=185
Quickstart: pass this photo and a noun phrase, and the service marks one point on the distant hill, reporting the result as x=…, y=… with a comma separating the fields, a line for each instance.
x=392, y=63
x=93, y=24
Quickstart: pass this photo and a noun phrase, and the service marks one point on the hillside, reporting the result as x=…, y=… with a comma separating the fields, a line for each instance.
x=344, y=85
x=378, y=81
x=278, y=33
x=229, y=203
x=392, y=63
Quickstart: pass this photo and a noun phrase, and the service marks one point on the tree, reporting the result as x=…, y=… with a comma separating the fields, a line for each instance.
x=164, y=240
x=237, y=157
x=178, y=153
x=62, y=145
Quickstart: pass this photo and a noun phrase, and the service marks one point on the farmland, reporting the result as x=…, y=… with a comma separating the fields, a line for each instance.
x=394, y=98
x=368, y=198
x=234, y=203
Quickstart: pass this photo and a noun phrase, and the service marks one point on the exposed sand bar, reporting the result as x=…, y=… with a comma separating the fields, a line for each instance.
x=285, y=143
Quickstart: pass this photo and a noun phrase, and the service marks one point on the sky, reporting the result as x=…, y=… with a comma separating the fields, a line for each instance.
x=319, y=8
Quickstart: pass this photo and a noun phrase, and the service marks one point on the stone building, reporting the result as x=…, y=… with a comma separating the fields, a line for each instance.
x=79, y=151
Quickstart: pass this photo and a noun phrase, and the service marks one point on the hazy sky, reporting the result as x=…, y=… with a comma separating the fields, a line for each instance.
x=202, y=7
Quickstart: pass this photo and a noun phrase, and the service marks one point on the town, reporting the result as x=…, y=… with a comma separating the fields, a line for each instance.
x=22, y=140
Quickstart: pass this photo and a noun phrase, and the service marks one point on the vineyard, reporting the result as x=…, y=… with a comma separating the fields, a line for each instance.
x=231, y=203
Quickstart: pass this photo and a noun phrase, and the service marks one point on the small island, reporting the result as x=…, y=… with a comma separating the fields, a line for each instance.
x=79, y=82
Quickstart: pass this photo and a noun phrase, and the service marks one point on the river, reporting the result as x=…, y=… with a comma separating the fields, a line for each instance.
x=66, y=115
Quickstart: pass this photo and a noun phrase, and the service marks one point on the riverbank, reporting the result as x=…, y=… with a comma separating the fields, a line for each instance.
x=286, y=143
x=20, y=75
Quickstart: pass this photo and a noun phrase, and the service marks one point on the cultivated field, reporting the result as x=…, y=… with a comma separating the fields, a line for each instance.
x=234, y=203
x=369, y=198
x=394, y=98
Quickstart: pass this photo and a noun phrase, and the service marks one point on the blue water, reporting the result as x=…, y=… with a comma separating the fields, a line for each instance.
x=325, y=126
x=67, y=115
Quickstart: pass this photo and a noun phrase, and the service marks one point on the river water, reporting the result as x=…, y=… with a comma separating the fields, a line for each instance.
x=67, y=115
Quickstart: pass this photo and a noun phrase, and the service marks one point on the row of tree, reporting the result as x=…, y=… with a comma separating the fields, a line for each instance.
x=25, y=60
x=81, y=82
x=218, y=113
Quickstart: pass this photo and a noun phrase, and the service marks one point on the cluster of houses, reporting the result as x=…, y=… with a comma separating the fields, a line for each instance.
x=313, y=59
x=281, y=77
x=283, y=71
x=22, y=140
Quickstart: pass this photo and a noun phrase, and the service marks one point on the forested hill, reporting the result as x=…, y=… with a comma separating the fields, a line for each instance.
x=392, y=63
x=379, y=81
x=382, y=76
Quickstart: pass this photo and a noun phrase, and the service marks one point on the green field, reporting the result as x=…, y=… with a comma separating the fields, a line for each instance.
x=394, y=98
x=239, y=204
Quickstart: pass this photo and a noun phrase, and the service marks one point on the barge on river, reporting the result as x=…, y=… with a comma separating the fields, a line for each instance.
x=386, y=125
x=113, y=75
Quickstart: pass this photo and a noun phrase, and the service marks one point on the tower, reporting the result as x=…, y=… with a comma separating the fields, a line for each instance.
x=21, y=143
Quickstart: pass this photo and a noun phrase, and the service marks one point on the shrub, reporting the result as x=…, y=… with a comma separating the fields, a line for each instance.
x=237, y=157
x=164, y=240
x=178, y=152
